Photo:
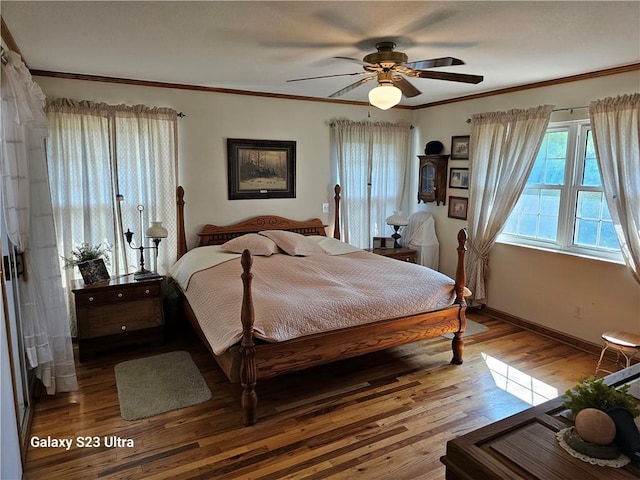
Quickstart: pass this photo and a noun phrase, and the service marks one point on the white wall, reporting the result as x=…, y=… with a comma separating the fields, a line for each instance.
x=211, y=118
x=542, y=287
x=538, y=286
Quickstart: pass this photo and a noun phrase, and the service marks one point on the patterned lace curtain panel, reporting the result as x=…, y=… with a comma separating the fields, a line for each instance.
x=28, y=214
x=97, y=151
x=371, y=162
x=615, y=122
x=503, y=150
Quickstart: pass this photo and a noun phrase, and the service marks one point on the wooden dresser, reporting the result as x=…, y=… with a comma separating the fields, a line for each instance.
x=118, y=312
x=524, y=446
x=404, y=254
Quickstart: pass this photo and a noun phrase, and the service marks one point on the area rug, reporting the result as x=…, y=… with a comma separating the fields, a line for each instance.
x=161, y=383
x=472, y=328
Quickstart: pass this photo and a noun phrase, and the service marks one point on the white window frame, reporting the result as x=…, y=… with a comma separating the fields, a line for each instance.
x=574, y=169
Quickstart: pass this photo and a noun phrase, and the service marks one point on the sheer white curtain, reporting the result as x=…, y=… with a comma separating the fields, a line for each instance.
x=146, y=146
x=371, y=161
x=503, y=149
x=30, y=225
x=615, y=123
x=97, y=152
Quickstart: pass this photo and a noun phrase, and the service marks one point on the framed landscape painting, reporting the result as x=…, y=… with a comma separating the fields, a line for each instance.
x=261, y=168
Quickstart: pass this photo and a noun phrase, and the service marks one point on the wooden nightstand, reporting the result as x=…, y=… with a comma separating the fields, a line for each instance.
x=118, y=312
x=404, y=254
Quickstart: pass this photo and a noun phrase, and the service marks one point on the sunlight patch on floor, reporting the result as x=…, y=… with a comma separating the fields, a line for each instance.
x=517, y=383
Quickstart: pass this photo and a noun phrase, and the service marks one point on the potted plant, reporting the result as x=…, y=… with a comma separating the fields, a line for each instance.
x=602, y=414
x=90, y=260
x=594, y=393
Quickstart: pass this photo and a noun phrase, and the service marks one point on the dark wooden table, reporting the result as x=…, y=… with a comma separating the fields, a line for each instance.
x=524, y=446
x=118, y=312
x=404, y=254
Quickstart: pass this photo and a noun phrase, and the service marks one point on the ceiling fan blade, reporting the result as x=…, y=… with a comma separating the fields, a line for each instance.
x=348, y=88
x=452, y=77
x=434, y=62
x=328, y=76
x=408, y=90
x=355, y=60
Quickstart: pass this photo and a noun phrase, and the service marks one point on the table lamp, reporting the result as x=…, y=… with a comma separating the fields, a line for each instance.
x=397, y=220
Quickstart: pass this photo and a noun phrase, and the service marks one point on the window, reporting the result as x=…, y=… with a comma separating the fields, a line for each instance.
x=563, y=206
x=370, y=162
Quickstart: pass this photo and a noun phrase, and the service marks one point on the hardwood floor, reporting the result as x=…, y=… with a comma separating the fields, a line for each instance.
x=380, y=416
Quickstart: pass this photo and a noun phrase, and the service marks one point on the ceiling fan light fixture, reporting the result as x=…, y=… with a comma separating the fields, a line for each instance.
x=385, y=96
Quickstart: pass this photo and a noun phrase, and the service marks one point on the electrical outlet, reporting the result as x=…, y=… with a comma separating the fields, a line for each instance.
x=578, y=312
x=325, y=208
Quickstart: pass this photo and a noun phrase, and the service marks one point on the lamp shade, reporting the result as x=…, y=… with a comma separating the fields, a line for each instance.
x=385, y=96
x=156, y=230
x=397, y=219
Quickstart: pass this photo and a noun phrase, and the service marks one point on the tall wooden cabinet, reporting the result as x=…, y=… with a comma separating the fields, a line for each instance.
x=432, y=178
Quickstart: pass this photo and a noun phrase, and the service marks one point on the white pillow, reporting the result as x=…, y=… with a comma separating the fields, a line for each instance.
x=256, y=244
x=293, y=243
x=333, y=246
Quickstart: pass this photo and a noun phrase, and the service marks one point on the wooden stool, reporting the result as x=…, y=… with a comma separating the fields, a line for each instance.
x=625, y=344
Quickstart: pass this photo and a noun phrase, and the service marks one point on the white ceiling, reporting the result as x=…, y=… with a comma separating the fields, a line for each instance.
x=257, y=46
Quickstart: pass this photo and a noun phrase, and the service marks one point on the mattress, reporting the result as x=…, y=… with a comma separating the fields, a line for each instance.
x=295, y=296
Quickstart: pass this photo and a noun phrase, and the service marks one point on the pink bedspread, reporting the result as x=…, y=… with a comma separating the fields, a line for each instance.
x=297, y=296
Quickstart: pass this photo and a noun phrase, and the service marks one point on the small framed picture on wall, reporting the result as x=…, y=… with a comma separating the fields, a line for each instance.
x=459, y=178
x=460, y=147
x=458, y=207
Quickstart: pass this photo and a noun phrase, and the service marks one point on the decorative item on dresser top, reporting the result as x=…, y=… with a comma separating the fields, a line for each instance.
x=265, y=342
x=117, y=312
x=90, y=260
x=156, y=232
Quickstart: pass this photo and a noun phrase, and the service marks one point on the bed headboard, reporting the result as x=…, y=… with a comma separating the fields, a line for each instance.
x=217, y=235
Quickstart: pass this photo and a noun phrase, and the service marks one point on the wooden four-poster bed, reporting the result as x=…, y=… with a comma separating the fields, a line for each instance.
x=252, y=358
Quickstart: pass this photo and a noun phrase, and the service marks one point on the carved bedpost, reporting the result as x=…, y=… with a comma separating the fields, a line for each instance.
x=248, y=373
x=182, y=237
x=461, y=278
x=457, y=344
x=336, y=217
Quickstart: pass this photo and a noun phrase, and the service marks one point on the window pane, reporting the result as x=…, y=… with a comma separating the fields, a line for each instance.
x=591, y=176
x=589, y=205
x=586, y=232
x=548, y=227
x=535, y=214
x=549, y=166
x=608, y=238
x=594, y=227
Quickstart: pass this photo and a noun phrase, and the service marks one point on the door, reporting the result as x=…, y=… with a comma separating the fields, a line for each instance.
x=21, y=376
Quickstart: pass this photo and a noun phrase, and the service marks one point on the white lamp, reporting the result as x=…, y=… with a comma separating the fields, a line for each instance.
x=397, y=220
x=156, y=232
x=385, y=96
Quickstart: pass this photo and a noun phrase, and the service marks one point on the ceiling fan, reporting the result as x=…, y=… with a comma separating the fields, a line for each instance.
x=387, y=67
